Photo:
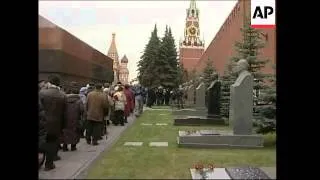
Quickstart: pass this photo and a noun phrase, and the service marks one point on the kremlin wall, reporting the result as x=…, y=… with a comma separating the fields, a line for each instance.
x=221, y=48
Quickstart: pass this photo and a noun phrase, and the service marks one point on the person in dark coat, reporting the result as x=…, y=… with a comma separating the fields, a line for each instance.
x=97, y=107
x=72, y=127
x=129, y=104
x=53, y=101
x=42, y=135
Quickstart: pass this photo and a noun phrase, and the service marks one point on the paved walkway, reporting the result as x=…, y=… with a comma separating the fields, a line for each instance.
x=74, y=165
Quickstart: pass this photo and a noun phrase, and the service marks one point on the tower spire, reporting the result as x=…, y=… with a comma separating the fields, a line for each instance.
x=193, y=4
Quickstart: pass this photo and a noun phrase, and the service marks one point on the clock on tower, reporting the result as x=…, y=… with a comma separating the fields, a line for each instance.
x=191, y=47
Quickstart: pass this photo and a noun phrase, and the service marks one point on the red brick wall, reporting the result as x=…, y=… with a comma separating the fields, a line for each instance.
x=221, y=47
x=190, y=57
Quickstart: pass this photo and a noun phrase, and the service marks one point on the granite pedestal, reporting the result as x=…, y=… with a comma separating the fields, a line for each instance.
x=230, y=173
x=218, y=139
x=197, y=120
x=189, y=112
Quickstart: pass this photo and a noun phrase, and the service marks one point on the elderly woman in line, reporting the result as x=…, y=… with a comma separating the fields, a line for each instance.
x=120, y=101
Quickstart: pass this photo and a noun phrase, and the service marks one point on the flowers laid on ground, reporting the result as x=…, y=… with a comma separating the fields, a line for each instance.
x=201, y=167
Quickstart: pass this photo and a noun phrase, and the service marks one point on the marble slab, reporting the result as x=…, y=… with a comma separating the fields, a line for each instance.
x=161, y=124
x=209, y=132
x=217, y=173
x=133, y=143
x=246, y=173
x=146, y=124
x=158, y=144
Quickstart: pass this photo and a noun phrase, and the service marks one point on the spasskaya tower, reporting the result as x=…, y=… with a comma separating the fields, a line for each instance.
x=191, y=47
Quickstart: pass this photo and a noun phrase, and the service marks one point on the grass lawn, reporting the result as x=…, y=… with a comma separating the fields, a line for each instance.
x=170, y=162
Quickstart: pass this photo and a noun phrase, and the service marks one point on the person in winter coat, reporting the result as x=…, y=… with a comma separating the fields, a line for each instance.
x=53, y=101
x=42, y=135
x=119, y=99
x=72, y=130
x=107, y=94
x=97, y=107
x=133, y=99
x=83, y=99
x=129, y=104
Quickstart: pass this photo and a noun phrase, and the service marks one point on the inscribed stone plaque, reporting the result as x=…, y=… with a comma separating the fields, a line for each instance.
x=241, y=104
x=133, y=143
x=200, y=96
x=214, y=98
x=246, y=173
x=158, y=144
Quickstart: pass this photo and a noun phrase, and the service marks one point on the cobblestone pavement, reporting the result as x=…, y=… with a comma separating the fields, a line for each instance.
x=74, y=165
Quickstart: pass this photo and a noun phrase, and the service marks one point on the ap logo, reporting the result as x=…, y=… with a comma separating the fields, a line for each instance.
x=263, y=13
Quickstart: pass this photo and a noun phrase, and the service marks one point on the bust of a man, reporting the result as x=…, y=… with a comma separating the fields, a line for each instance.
x=241, y=66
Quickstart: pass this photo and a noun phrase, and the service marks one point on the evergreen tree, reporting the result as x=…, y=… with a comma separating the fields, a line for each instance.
x=180, y=77
x=148, y=61
x=226, y=81
x=249, y=49
x=167, y=68
x=208, y=73
x=267, y=113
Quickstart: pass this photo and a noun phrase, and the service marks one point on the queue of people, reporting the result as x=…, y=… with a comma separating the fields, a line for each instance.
x=66, y=116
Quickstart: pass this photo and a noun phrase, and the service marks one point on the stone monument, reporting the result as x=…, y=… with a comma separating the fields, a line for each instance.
x=241, y=100
x=213, y=99
x=240, y=120
x=200, y=96
x=191, y=95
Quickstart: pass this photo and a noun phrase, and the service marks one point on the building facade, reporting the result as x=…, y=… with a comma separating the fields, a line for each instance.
x=124, y=72
x=121, y=72
x=66, y=56
x=221, y=48
x=191, y=47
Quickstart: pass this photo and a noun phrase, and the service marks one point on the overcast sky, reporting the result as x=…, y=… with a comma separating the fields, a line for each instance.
x=94, y=21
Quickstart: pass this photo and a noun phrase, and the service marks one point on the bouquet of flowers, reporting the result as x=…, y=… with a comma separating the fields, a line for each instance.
x=203, y=170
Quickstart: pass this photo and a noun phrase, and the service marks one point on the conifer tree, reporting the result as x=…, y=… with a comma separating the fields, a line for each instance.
x=226, y=81
x=148, y=61
x=267, y=113
x=208, y=73
x=167, y=68
x=248, y=48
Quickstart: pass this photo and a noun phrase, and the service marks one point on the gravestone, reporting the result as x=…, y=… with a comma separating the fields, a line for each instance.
x=191, y=95
x=214, y=99
x=241, y=103
x=200, y=96
x=202, y=116
x=241, y=106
